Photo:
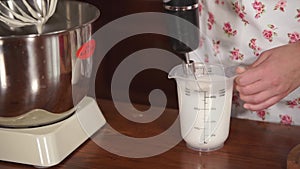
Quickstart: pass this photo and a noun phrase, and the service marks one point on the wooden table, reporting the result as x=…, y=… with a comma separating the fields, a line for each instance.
x=251, y=144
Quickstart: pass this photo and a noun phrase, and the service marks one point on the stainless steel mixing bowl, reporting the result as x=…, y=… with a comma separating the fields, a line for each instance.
x=48, y=71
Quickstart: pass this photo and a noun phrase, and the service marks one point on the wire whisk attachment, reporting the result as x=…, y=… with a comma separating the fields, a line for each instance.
x=20, y=13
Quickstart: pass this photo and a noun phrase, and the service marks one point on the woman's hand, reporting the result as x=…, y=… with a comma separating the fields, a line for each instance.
x=272, y=77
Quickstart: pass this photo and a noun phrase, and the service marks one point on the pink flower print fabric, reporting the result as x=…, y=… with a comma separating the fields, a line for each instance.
x=228, y=29
x=216, y=47
x=210, y=21
x=286, y=119
x=298, y=15
x=280, y=5
x=269, y=33
x=256, y=49
x=294, y=37
x=262, y=114
x=294, y=103
x=236, y=55
x=240, y=11
x=259, y=8
x=238, y=32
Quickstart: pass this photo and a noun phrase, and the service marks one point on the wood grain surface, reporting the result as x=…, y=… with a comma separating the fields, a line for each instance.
x=250, y=145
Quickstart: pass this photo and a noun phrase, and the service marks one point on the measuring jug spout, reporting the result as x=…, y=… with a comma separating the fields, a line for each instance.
x=177, y=73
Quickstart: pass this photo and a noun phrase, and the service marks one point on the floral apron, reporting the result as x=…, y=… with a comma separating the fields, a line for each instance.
x=235, y=32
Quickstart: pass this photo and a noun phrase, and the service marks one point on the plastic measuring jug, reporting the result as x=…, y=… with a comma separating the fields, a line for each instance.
x=204, y=98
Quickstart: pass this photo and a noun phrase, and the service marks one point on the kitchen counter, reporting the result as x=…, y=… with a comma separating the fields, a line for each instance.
x=250, y=145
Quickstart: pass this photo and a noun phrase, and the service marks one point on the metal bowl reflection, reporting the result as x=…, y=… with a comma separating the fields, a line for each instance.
x=42, y=71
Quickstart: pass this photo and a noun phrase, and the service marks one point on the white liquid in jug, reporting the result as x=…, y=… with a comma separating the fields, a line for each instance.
x=205, y=108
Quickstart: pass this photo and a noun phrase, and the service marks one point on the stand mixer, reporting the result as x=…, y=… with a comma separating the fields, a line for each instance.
x=188, y=10
x=45, y=112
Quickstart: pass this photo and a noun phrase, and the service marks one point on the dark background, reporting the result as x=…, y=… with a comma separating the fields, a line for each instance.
x=147, y=80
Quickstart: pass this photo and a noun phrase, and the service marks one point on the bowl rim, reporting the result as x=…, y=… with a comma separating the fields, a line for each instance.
x=59, y=31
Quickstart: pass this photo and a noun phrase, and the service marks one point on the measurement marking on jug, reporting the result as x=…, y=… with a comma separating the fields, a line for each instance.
x=204, y=110
x=204, y=119
x=210, y=121
x=199, y=109
x=187, y=92
x=222, y=92
x=211, y=97
x=198, y=128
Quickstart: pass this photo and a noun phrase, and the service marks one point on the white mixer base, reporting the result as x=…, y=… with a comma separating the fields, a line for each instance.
x=49, y=145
